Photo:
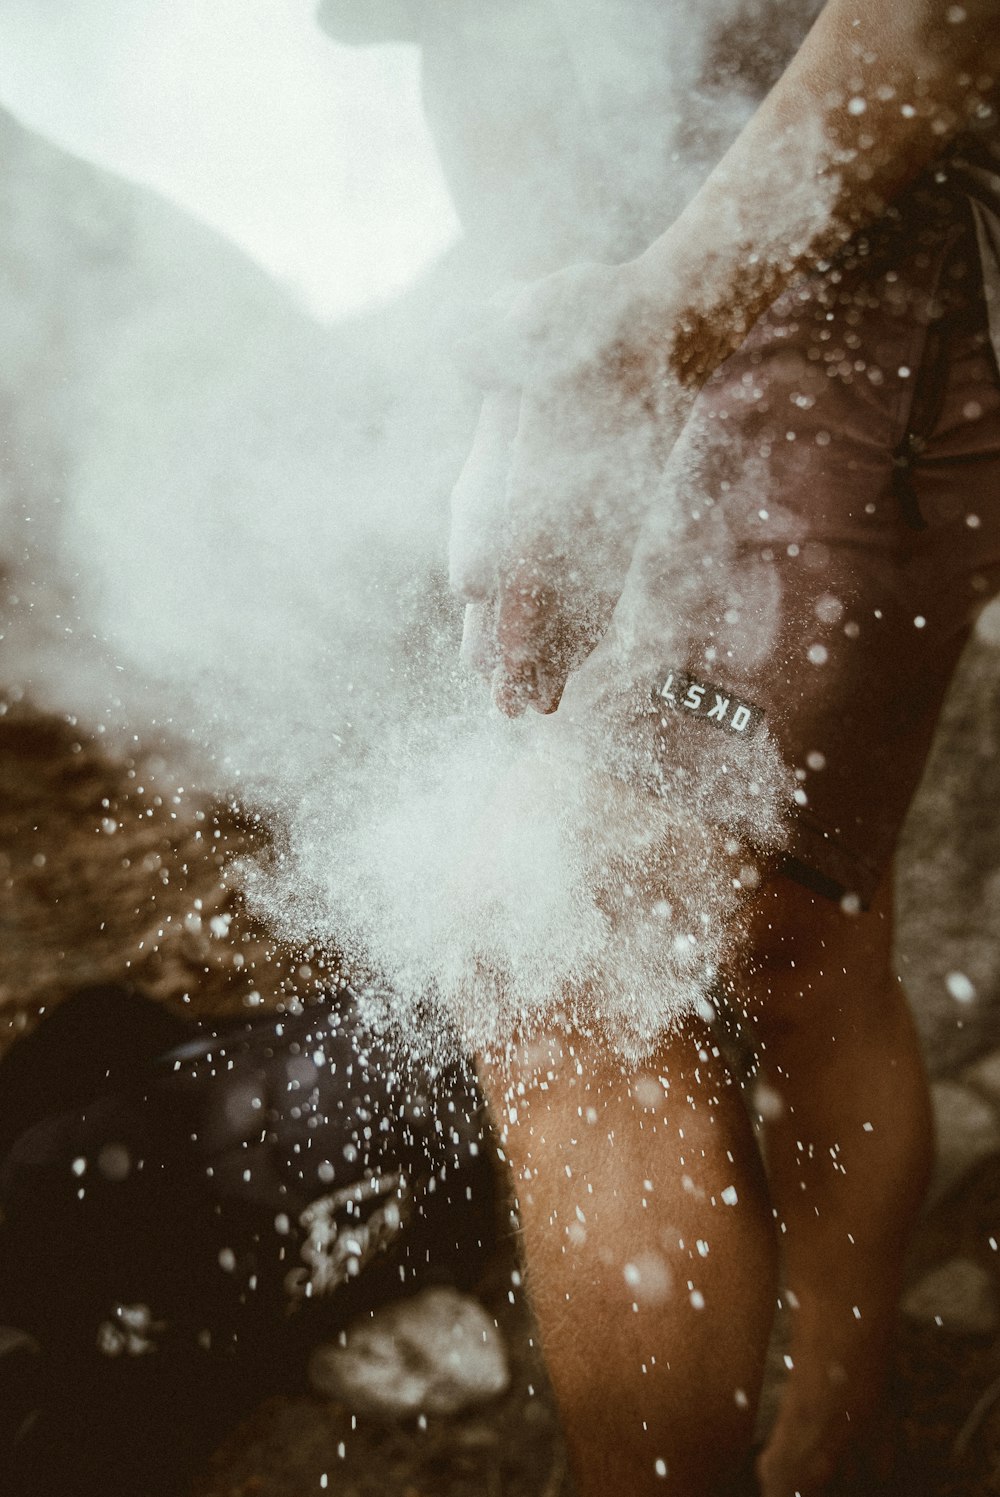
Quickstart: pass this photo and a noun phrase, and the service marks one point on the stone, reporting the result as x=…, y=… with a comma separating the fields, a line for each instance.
x=967, y=1131
x=948, y=897
x=985, y=1075
x=988, y=624
x=437, y=1353
x=959, y=1296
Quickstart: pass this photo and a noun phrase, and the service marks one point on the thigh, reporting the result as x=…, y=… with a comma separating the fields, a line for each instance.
x=828, y=529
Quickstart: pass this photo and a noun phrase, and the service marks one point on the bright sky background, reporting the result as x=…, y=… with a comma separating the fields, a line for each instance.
x=314, y=157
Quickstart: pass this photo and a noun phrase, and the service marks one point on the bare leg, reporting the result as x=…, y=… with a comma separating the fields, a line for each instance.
x=650, y=1253
x=848, y=1162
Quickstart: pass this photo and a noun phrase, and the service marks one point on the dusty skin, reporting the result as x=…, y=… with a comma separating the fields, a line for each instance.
x=56, y=780
x=809, y=1442
x=674, y=1288
x=816, y=983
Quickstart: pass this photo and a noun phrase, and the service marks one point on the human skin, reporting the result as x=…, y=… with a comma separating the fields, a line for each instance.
x=598, y=356
x=655, y=1351
x=605, y=359
x=849, y=1148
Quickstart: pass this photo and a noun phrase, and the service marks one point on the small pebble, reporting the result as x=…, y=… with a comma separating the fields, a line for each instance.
x=960, y=1296
x=436, y=1353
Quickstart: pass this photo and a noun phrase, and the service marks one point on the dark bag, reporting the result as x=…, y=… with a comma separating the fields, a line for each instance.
x=182, y=1224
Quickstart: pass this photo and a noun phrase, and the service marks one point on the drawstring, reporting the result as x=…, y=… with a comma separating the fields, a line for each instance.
x=925, y=412
x=928, y=398
x=904, y=460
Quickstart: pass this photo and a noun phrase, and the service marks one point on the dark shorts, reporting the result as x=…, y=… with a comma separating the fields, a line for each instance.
x=854, y=441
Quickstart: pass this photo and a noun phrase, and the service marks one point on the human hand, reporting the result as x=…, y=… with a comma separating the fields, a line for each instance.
x=581, y=408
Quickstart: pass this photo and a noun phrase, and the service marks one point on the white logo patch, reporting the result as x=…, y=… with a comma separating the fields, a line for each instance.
x=684, y=693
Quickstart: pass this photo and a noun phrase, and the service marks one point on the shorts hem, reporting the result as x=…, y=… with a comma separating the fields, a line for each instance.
x=816, y=858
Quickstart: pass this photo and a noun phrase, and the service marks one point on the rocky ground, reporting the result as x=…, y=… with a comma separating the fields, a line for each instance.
x=109, y=869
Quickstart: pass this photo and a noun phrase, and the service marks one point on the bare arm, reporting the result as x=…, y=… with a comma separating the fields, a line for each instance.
x=871, y=98
x=605, y=358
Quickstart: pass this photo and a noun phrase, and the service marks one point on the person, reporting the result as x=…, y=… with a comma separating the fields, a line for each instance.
x=749, y=415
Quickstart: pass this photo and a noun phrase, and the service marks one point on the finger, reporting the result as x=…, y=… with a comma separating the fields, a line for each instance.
x=479, y=638
x=529, y=632
x=478, y=500
x=534, y=686
x=547, y=629
x=513, y=694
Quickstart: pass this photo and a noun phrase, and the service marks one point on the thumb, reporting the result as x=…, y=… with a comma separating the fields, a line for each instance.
x=479, y=498
x=479, y=652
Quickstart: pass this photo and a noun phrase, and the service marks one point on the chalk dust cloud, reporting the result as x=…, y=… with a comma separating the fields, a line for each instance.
x=228, y=528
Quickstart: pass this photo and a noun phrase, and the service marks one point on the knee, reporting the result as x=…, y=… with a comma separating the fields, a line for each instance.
x=576, y=1089
x=803, y=951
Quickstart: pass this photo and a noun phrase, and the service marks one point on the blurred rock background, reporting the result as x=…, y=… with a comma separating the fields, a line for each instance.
x=948, y=866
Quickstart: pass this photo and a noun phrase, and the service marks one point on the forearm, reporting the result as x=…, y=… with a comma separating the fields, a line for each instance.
x=874, y=93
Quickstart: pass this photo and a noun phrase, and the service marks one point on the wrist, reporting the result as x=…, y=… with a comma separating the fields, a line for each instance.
x=689, y=303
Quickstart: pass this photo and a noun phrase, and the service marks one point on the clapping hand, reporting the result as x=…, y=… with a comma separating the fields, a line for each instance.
x=581, y=407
